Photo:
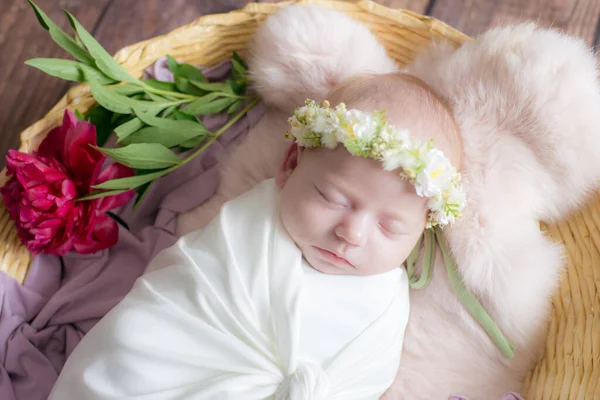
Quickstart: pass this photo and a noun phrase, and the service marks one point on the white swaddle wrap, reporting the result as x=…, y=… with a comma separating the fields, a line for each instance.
x=234, y=312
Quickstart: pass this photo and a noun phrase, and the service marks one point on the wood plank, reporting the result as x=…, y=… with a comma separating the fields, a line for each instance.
x=576, y=17
x=132, y=21
x=26, y=93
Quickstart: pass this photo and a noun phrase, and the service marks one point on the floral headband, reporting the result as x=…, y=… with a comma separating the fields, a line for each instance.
x=369, y=135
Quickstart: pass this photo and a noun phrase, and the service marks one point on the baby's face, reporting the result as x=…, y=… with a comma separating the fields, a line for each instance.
x=346, y=214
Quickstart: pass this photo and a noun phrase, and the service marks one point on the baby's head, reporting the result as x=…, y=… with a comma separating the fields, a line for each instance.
x=346, y=213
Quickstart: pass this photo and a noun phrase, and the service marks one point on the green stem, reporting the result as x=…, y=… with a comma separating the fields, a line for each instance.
x=236, y=96
x=167, y=92
x=216, y=135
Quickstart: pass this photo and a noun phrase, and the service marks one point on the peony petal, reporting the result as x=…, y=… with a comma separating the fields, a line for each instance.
x=52, y=146
x=27, y=214
x=39, y=190
x=12, y=194
x=68, y=189
x=51, y=223
x=79, y=157
x=42, y=204
x=60, y=246
x=114, y=171
x=15, y=159
x=105, y=234
x=111, y=202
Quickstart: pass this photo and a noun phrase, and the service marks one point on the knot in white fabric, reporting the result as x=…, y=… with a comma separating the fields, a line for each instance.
x=308, y=382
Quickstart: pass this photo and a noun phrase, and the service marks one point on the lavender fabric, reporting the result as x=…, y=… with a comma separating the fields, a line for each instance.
x=42, y=321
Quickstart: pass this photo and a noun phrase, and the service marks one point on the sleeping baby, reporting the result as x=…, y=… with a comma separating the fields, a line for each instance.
x=296, y=290
x=289, y=292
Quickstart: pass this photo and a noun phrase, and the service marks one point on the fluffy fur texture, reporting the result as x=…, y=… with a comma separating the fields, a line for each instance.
x=305, y=51
x=527, y=101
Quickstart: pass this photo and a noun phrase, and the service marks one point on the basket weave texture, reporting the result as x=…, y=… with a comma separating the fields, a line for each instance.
x=570, y=365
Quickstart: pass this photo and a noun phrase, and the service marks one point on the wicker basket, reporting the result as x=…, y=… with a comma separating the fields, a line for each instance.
x=569, y=369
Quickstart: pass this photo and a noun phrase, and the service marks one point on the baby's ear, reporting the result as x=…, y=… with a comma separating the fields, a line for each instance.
x=302, y=52
x=288, y=165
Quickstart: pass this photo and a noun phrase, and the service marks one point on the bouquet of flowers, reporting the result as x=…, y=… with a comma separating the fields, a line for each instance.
x=60, y=196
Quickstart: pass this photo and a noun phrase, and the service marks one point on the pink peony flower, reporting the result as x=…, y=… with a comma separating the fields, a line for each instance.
x=42, y=191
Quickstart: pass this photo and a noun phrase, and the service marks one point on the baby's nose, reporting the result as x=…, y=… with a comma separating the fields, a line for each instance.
x=354, y=229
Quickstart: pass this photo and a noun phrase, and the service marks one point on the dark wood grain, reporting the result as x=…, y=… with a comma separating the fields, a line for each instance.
x=576, y=17
x=131, y=21
x=26, y=93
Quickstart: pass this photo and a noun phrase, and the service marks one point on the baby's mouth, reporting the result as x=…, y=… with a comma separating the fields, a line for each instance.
x=334, y=258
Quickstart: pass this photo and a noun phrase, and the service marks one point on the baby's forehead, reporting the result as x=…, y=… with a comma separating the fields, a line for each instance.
x=364, y=177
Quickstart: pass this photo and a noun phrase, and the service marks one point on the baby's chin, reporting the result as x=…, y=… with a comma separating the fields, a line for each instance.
x=330, y=269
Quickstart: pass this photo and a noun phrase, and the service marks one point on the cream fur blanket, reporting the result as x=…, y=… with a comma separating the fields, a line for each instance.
x=527, y=101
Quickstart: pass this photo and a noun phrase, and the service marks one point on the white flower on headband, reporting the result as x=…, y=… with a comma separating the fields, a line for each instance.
x=369, y=135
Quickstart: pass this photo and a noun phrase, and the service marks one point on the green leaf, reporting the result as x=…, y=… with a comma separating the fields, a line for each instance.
x=101, y=118
x=108, y=99
x=238, y=88
x=104, y=61
x=153, y=134
x=234, y=107
x=127, y=89
x=128, y=128
x=185, y=71
x=169, y=133
x=142, y=191
x=170, y=125
x=172, y=64
x=157, y=98
x=190, y=72
x=212, y=86
x=78, y=115
x=184, y=86
x=203, y=107
x=61, y=38
x=238, y=72
x=67, y=69
x=181, y=115
x=101, y=193
x=143, y=155
x=239, y=60
x=131, y=182
x=168, y=112
x=121, y=104
x=190, y=144
x=161, y=85
x=200, y=103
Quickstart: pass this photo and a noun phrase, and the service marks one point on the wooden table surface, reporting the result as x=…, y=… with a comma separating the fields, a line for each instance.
x=26, y=93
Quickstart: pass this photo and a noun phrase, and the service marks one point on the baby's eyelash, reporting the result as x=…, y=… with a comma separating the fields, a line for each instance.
x=320, y=193
x=335, y=203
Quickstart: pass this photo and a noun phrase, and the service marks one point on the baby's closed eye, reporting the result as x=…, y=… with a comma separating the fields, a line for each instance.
x=332, y=197
x=392, y=226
